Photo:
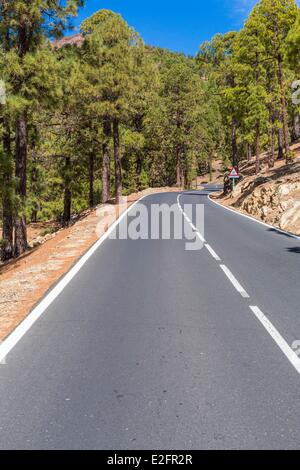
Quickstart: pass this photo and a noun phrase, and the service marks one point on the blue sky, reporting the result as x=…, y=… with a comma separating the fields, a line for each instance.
x=178, y=25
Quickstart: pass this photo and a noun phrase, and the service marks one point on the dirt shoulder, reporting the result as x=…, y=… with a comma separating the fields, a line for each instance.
x=26, y=280
x=272, y=196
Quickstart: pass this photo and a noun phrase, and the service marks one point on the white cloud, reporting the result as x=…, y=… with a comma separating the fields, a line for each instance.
x=240, y=9
x=243, y=6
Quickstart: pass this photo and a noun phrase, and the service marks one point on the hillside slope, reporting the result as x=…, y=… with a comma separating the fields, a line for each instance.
x=273, y=195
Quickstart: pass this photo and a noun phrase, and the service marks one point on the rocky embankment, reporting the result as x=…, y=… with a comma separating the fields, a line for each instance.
x=273, y=197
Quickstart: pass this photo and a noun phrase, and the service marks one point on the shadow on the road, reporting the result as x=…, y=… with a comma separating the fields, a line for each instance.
x=201, y=192
x=278, y=232
x=294, y=249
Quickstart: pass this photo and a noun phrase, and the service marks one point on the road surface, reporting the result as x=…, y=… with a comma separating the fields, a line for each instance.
x=151, y=346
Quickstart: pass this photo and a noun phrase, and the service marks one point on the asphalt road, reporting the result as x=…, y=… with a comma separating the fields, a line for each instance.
x=151, y=346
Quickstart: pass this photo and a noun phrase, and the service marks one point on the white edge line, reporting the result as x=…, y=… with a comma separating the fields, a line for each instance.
x=10, y=342
x=212, y=252
x=235, y=211
x=234, y=281
x=279, y=340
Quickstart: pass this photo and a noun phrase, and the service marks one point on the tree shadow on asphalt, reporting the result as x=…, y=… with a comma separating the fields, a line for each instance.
x=284, y=234
x=294, y=249
x=201, y=192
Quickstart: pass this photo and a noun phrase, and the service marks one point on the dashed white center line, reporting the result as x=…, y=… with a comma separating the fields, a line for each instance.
x=194, y=228
x=279, y=340
x=212, y=252
x=234, y=281
x=273, y=332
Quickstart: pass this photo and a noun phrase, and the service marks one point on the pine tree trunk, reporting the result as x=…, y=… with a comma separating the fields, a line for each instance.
x=248, y=152
x=67, y=193
x=182, y=179
x=257, y=126
x=138, y=126
x=178, y=174
x=210, y=168
x=106, y=162
x=178, y=167
x=34, y=181
x=7, y=205
x=271, y=160
x=257, y=148
x=273, y=114
x=296, y=126
x=139, y=166
x=235, y=161
x=91, y=180
x=280, y=145
x=21, y=245
x=7, y=250
x=117, y=158
x=34, y=216
x=284, y=111
x=21, y=163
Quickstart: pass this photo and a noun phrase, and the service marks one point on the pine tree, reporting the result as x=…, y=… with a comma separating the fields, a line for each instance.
x=109, y=51
x=249, y=58
x=276, y=18
x=26, y=25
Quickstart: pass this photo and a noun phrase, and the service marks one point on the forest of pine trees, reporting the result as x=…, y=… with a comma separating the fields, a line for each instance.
x=87, y=122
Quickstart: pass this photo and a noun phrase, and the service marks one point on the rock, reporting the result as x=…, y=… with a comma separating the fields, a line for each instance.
x=290, y=219
x=37, y=242
x=265, y=212
x=285, y=189
x=285, y=205
x=275, y=200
